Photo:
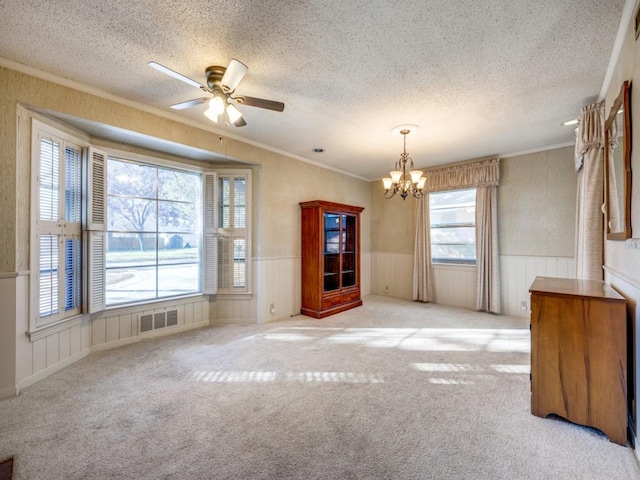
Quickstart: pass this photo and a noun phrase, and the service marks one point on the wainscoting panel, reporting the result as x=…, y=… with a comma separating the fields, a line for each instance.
x=392, y=274
x=455, y=285
x=40, y=358
x=630, y=289
x=229, y=310
x=277, y=289
x=365, y=274
x=120, y=326
x=517, y=273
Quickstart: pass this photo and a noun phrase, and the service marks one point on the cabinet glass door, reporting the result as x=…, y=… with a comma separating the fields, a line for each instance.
x=331, y=252
x=348, y=250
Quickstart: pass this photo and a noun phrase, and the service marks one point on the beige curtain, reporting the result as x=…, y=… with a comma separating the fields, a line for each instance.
x=487, y=261
x=589, y=219
x=484, y=175
x=422, y=267
x=469, y=175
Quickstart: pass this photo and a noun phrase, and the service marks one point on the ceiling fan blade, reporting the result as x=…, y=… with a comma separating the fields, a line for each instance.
x=260, y=103
x=176, y=75
x=233, y=75
x=190, y=103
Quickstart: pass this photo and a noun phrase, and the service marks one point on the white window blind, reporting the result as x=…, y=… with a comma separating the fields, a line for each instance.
x=453, y=233
x=210, y=264
x=233, y=232
x=95, y=224
x=57, y=227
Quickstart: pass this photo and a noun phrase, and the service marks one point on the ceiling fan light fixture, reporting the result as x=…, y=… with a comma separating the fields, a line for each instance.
x=221, y=83
x=234, y=73
x=211, y=115
x=217, y=104
x=233, y=113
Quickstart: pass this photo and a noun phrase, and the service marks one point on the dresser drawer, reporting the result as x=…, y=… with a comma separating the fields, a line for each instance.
x=328, y=302
x=351, y=296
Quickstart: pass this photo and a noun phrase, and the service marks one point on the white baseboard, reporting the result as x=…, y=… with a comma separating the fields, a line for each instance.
x=8, y=393
x=163, y=332
x=52, y=369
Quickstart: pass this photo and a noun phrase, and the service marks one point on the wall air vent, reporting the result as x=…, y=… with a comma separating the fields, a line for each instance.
x=172, y=318
x=159, y=320
x=149, y=321
x=146, y=323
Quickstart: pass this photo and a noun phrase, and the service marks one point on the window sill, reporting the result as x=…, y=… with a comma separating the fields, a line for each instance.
x=53, y=328
x=463, y=265
x=123, y=309
x=232, y=296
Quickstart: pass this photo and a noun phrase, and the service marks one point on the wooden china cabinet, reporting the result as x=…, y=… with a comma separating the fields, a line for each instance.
x=330, y=258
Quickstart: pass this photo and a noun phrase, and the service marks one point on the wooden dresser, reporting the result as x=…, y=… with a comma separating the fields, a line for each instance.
x=578, y=354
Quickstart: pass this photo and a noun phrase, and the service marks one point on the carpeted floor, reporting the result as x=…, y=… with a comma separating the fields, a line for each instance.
x=391, y=390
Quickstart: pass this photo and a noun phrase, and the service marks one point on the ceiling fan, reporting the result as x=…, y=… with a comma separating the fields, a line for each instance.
x=221, y=84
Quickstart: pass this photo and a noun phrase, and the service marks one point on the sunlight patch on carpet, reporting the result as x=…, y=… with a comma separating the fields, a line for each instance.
x=449, y=381
x=466, y=368
x=298, y=377
x=417, y=339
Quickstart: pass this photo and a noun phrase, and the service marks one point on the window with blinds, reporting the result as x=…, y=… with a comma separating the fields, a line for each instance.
x=58, y=228
x=232, y=233
x=453, y=226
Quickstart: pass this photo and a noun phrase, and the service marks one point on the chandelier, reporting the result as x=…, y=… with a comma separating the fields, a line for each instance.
x=404, y=180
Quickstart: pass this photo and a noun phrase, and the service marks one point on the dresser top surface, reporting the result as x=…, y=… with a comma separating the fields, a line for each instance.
x=575, y=287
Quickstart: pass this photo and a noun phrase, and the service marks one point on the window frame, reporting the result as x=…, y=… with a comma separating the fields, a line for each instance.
x=454, y=261
x=157, y=164
x=232, y=232
x=65, y=230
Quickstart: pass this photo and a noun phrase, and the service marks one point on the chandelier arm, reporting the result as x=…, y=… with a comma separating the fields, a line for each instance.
x=389, y=193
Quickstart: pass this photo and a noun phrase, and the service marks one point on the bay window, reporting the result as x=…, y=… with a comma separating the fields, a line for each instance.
x=111, y=229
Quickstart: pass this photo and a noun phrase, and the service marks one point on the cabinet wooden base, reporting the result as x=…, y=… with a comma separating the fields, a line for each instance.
x=325, y=313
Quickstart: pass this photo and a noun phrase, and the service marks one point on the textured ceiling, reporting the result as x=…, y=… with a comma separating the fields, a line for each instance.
x=479, y=78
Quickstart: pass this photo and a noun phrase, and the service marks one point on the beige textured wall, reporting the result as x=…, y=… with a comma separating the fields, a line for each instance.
x=536, y=208
x=625, y=260
x=8, y=128
x=278, y=187
x=293, y=182
x=391, y=222
x=536, y=204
